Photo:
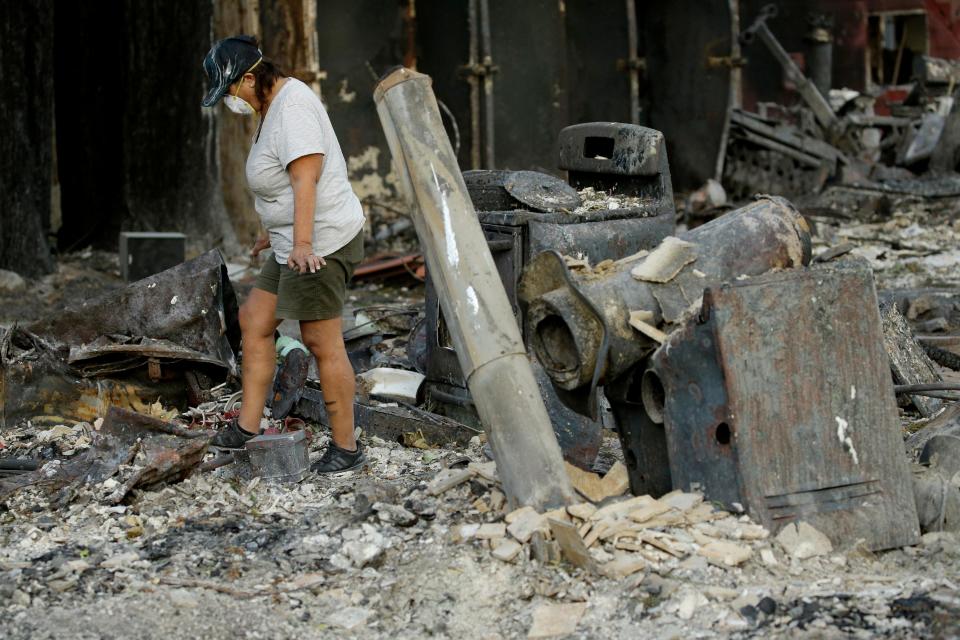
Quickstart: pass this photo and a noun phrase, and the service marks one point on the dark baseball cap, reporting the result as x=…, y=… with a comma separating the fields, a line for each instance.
x=226, y=62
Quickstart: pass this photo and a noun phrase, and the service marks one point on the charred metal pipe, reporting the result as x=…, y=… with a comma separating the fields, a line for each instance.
x=807, y=89
x=488, y=71
x=632, y=61
x=581, y=326
x=473, y=79
x=820, y=58
x=19, y=465
x=480, y=318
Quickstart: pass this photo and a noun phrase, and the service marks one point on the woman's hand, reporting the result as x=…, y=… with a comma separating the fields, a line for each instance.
x=263, y=242
x=302, y=259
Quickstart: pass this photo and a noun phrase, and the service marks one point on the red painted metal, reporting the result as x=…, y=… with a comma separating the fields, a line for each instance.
x=850, y=39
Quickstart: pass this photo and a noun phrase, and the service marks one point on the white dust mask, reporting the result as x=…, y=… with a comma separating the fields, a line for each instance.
x=239, y=106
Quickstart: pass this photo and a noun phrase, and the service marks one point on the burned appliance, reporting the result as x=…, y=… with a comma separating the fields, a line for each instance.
x=777, y=396
x=599, y=328
x=524, y=213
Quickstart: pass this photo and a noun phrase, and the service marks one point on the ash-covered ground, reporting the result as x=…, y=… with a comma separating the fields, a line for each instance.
x=377, y=554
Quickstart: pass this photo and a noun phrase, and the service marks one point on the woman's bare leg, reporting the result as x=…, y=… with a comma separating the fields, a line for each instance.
x=324, y=338
x=258, y=323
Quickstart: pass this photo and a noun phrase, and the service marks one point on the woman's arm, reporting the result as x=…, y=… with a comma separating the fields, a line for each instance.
x=261, y=243
x=304, y=174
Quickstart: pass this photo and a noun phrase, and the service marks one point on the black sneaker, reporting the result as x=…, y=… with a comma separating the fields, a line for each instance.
x=231, y=436
x=337, y=460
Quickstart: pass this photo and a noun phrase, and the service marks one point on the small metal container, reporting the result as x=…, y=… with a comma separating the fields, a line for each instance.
x=281, y=457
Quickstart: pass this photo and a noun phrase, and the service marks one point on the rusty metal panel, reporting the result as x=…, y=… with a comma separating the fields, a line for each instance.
x=187, y=312
x=778, y=397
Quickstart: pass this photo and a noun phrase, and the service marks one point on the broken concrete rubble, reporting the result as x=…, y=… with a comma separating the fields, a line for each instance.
x=803, y=541
x=302, y=546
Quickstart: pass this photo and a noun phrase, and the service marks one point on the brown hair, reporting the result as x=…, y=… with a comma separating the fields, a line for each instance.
x=266, y=75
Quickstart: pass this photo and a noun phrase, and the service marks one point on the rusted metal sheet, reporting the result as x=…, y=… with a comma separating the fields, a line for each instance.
x=188, y=313
x=778, y=396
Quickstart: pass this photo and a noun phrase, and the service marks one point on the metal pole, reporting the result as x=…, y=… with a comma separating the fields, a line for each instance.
x=632, y=62
x=474, y=81
x=735, y=99
x=820, y=58
x=808, y=91
x=487, y=83
x=480, y=318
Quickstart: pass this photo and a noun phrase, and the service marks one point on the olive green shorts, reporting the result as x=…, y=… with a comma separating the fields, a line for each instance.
x=312, y=296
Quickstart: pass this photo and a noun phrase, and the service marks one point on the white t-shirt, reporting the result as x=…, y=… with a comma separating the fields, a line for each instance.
x=297, y=125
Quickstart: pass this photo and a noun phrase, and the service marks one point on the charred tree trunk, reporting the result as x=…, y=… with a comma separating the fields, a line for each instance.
x=136, y=150
x=170, y=148
x=26, y=109
x=91, y=76
x=234, y=133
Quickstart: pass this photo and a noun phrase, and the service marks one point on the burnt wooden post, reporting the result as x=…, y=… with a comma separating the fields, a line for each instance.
x=232, y=17
x=26, y=145
x=136, y=150
x=482, y=325
x=170, y=175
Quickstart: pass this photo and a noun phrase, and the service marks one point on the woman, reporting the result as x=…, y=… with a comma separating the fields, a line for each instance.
x=313, y=223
